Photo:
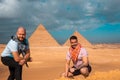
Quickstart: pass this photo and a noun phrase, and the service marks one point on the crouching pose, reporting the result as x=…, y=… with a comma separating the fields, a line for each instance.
x=79, y=56
x=11, y=54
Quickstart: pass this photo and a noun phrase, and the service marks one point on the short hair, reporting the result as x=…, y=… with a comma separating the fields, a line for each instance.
x=21, y=28
x=73, y=37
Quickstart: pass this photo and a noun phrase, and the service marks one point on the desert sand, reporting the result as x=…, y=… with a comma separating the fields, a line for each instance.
x=49, y=61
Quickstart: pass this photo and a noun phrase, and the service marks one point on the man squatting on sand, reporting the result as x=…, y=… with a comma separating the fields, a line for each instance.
x=11, y=54
x=79, y=57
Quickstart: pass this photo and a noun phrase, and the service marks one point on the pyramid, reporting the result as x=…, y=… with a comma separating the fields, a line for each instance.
x=84, y=42
x=42, y=38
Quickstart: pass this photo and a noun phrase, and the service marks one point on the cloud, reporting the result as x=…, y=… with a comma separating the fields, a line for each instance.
x=62, y=14
x=9, y=8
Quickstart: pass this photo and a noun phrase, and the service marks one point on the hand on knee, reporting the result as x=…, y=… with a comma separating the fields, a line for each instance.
x=72, y=70
x=84, y=71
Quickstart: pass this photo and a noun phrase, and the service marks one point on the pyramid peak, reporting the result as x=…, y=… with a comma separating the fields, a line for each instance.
x=82, y=40
x=42, y=38
x=76, y=32
x=41, y=27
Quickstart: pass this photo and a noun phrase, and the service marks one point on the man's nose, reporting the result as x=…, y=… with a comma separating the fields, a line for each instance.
x=21, y=35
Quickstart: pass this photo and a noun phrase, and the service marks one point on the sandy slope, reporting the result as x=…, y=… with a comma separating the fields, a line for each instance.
x=49, y=62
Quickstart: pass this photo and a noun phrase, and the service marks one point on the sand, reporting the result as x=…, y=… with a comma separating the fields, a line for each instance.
x=49, y=62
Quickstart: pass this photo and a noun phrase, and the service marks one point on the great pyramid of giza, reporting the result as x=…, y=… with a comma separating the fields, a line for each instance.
x=84, y=42
x=42, y=38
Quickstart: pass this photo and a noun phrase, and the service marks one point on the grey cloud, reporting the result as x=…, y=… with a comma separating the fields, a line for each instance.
x=9, y=8
x=59, y=14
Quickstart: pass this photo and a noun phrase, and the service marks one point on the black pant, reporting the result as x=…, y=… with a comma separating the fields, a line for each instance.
x=77, y=72
x=14, y=68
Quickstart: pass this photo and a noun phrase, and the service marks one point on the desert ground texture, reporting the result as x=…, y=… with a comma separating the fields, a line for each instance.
x=49, y=62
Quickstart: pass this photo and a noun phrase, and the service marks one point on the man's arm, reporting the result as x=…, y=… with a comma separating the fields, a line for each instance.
x=85, y=62
x=67, y=66
x=27, y=55
x=16, y=56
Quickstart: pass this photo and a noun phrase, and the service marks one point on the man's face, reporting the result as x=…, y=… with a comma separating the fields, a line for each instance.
x=21, y=34
x=73, y=43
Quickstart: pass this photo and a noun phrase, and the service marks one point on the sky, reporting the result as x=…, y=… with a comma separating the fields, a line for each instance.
x=97, y=20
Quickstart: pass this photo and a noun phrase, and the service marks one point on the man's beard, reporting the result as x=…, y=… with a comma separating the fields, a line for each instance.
x=74, y=46
x=20, y=39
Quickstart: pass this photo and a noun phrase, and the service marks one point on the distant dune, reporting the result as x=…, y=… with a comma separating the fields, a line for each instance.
x=115, y=45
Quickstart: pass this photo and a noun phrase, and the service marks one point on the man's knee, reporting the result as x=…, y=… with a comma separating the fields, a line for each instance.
x=84, y=71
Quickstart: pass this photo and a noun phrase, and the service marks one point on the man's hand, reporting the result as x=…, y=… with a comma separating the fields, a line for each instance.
x=30, y=59
x=66, y=75
x=72, y=70
x=22, y=62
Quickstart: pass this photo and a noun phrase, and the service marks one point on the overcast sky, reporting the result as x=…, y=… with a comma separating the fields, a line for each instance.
x=96, y=20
